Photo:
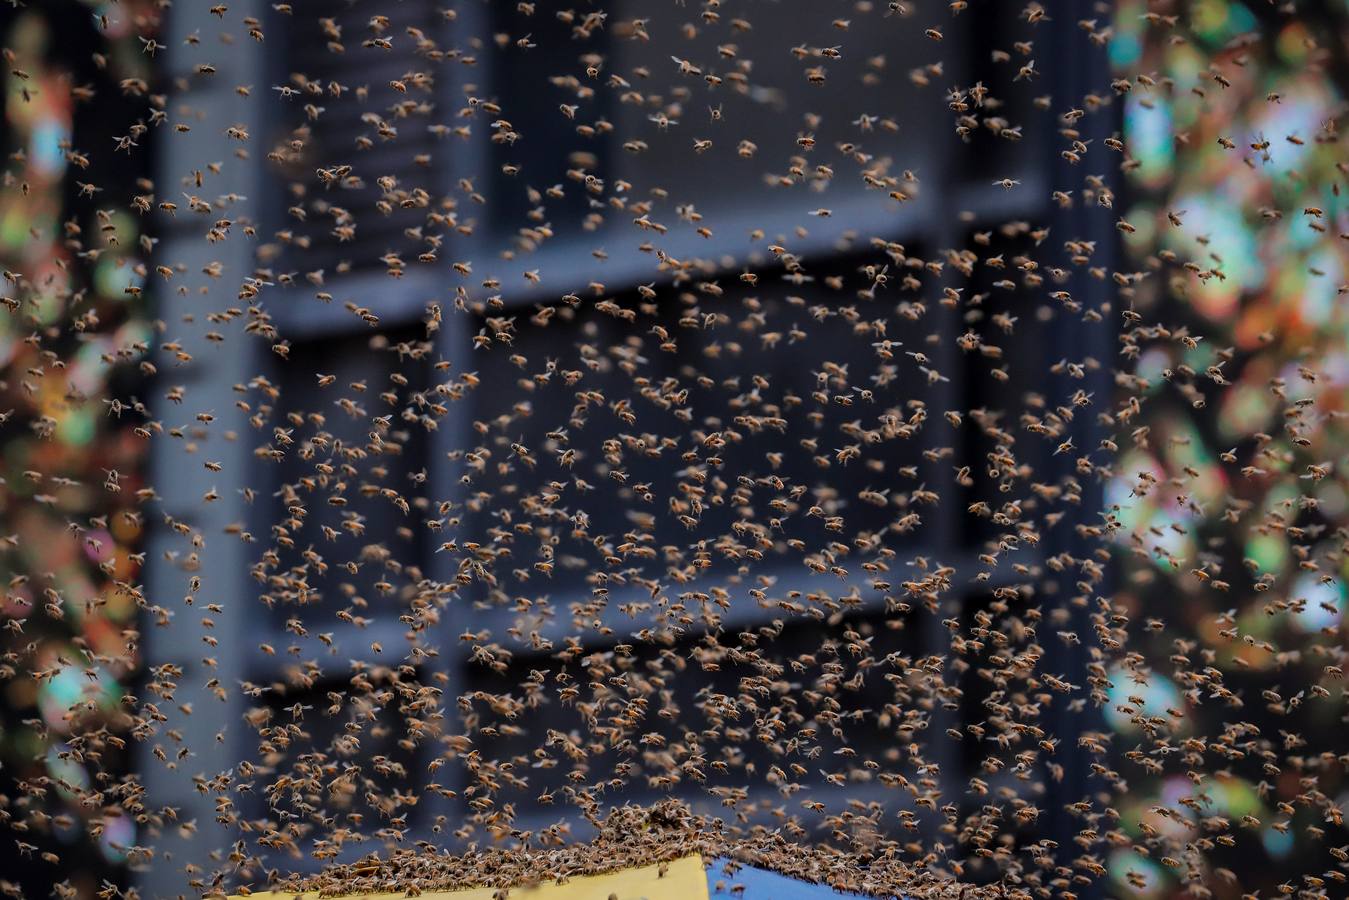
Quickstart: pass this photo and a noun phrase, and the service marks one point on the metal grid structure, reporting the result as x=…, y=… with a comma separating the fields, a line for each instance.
x=957, y=206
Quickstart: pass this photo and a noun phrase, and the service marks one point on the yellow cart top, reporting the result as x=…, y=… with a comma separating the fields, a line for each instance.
x=684, y=879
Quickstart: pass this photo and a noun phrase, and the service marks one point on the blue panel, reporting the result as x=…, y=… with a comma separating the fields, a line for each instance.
x=761, y=884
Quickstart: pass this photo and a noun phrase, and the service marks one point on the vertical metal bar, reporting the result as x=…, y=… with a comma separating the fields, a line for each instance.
x=209, y=105
x=1078, y=69
x=444, y=490
x=466, y=159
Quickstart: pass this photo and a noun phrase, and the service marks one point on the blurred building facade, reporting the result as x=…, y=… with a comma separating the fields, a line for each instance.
x=956, y=205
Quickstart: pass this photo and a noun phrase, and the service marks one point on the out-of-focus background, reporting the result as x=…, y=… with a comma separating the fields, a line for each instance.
x=1275, y=303
x=61, y=424
x=1278, y=303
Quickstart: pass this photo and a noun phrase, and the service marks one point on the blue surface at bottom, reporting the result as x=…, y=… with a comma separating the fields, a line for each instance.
x=761, y=884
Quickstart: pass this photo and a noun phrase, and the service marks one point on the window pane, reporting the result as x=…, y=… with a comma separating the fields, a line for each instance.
x=794, y=435
x=339, y=477
x=381, y=132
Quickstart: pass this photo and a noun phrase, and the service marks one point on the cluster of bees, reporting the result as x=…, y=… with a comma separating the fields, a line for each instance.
x=678, y=516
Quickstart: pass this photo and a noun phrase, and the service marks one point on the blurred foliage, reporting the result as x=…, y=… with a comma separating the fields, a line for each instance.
x=1239, y=224
x=69, y=461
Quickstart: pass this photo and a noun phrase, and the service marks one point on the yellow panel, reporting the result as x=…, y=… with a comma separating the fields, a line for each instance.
x=684, y=879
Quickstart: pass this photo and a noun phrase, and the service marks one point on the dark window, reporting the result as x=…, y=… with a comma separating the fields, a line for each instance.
x=383, y=133
x=359, y=555
x=1004, y=132
x=758, y=391
x=548, y=150
x=701, y=706
x=353, y=768
x=1002, y=383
